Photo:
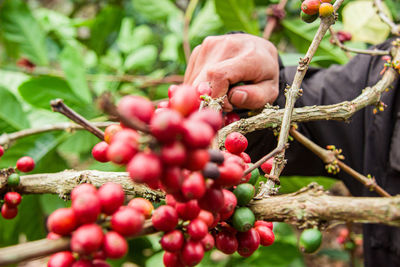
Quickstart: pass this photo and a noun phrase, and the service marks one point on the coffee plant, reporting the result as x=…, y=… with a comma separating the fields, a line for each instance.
x=169, y=180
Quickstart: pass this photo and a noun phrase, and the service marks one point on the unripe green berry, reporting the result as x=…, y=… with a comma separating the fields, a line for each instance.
x=308, y=18
x=13, y=180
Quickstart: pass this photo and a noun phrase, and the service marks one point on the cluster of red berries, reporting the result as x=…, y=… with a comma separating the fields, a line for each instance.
x=311, y=9
x=86, y=220
x=9, y=209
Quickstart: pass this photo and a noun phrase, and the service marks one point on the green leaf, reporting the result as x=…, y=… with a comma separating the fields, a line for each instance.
x=41, y=90
x=73, y=66
x=79, y=142
x=53, y=21
x=19, y=27
x=237, y=15
x=361, y=20
x=294, y=183
x=156, y=10
x=11, y=110
x=171, y=44
x=142, y=58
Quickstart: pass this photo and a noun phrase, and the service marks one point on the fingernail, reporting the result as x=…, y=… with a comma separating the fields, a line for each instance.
x=239, y=97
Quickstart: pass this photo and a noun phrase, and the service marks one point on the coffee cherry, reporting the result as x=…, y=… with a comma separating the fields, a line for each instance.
x=86, y=208
x=110, y=131
x=208, y=242
x=128, y=136
x=248, y=242
x=170, y=200
x=172, y=179
x=121, y=152
x=172, y=260
x=310, y=240
x=192, y=253
x=87, y=239
x=325, y=10
x=196, y=159
x=114, y=245
x=231, y=117
x=99, y=152
x=230, y=174
x=188, y=211
x=53, y=236
x=136, y=107
x=165, y=218
x=246, y=158
x=216, y=156
x=83, y=189
x=213, y=200
x=326, y=1
x=206, y=217
x=145, y=168
x=61, y=259
x=185, y=100
x=308, y=18
x=172, y=89
x=197, y=229
x=127, y=221
x=82, y=263
x=62, y=221
x=230, y=203
x=267, y=237
x=194, y=186
x=111, y=197
x=270, y=225
x=267, y=166
x=8, y=212
x=254, y=175
x=209, y=116
x=13, y=180
x=211, y=170
x=172, y=241
x=204, y=88
x=236, y=143
x=226, y=242
x=1, y=151
x=243, y=219
x=173, y=154
x=100, y=263
x=197, y=134
x=310, y=7
x=143, y=206
x=12, y=199
x=25, y=164
x=166, y=125
x=162, y=104
x=231, y=158
x=244, y=193
x=346, y=36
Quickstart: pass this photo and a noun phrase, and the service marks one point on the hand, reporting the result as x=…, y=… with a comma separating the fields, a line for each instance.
x=229, y=59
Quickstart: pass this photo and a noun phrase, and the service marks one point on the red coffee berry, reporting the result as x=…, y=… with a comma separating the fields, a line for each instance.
x=209, y=116
x=226, y=242
x=172, y=260
x=101, y=255
x=185, y=100
x=165, y=218
x=100, y=263
x=204, y=88
x=248, y=242
x=172, y=241
x=270, y=225
x=230, y=117
x=170, y=200
x=114, y=245
x=128, y=136
x=121, y=152
x=62, y=221
x=99, y=152
x=86, y=208
x=310, y=7
x=143, y=206
x=25, y=164
x=166, y=125
x=53, y=236
x=213, y=200
x=246, y=158
x=192, y=253
x=8, y=212
x=87, y=239
x=197, y=229
x=127, y=221
x=346, y=36
x=196, y=159
x=172, y=89
x=188, y=211
x=230, y=174
x=267, y=166
x=163, y=104
x=208, y=242
x=110, y=131
x=1, y=151
x=136, y=107
x=197, y=134
x=83, y=189
x=82, y=263
x=12, y=199
x=206, y=217
x=173, y=154
x=230, y=203
x=236, y=143
x=61, y=259
x=267, y=237
x=111, y=197
x=194, y=186
x=231, y=158
x=145, y=168
x=172, y=179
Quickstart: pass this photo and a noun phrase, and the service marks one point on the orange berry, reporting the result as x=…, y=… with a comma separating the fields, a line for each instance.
x=325, y=10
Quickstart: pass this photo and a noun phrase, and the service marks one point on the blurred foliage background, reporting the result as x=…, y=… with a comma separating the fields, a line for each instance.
x=79, y=49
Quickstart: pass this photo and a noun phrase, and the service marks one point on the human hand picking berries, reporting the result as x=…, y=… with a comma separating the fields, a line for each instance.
x=226, y=60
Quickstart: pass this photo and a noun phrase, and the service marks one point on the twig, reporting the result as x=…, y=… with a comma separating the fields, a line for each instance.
x=346, y=49
x=274, y=15
x=58, y=106
x=395, y=29
x=188, y=17
x=62, y=183
x=263, y=159
x=329, y=157
x=7, y=138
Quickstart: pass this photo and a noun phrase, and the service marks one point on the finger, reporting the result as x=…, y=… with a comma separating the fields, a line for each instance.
x=254, y=96
x=192, y=62
x=226, y=106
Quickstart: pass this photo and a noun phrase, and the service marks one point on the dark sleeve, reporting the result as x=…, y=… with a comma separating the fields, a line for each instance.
x=324, y=87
